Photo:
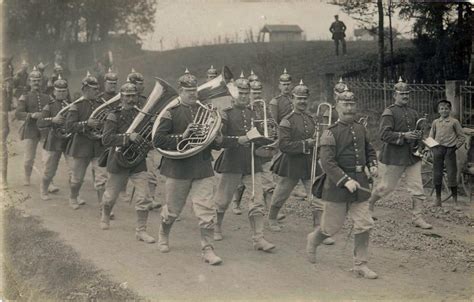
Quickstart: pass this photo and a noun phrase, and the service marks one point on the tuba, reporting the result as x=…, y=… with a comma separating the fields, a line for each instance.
x=131, y=155
x=61, y=130
x=101, y=113
x=207, y=116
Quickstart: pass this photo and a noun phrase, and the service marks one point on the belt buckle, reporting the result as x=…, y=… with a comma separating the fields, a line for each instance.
x=359, y=169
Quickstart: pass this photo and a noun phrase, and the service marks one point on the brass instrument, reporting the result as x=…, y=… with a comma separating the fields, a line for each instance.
x=267, y=127
x=207, y=117
x=420, y=127
x=100, y=114
x=60, y=131
x=364, y=120
x=131, y=155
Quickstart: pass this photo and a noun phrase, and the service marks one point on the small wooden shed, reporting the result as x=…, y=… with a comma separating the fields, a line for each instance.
x=281, y=33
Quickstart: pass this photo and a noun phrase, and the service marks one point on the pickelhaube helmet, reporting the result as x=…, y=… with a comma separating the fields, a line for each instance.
x=252, y=77
x=135, y=77
x=34, y=74
x=340, y=86
x=285, y=77
x=187, y=81
x=57, y=68
x=402, y=87
x=111, y=76
x=301, y=90
x=60, y=84
x=242, y=83
x=90, y=81
x=41, y=66
x=212, y=72
x=256, y=86
x=346, y=96
x=128, y=89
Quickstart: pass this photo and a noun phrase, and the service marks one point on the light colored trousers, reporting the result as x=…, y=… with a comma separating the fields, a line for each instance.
x=51, y=162
x=334, y=215
x=30, y=146
x=117, y=181
x=284, y=188
x=228, y=183
x=200, y=193
x=79, y=168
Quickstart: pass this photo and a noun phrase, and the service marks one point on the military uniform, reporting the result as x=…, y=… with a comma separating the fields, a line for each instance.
x=29, y=104
x=191, y=176
x=344, y=154
x=397, y=155
x=114, y=136
x=81, y=147
x=338, y=29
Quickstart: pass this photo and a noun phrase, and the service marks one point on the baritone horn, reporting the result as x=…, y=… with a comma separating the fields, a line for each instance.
x=60, y=131
x=100, y=114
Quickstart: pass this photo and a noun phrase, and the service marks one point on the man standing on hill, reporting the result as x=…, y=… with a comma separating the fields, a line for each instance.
x=338, y=30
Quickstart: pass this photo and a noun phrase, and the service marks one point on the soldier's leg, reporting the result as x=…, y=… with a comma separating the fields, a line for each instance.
x=100, y=178
x=389, y=178
x=343, y=42
x=256, y=212
x=332, y=220
x=114, y=185
x=51, y=162
x=70, y=164
x=316, y=206
x=153, y=162
x=29, y=158
x=336, y=44
x=176, y=192
x=143, y=202
x=363, y=223
x=439, y=153
x=415, y=188
x=79, y=168
x=282, y=191
x=268, y=183
x=237, y=199
x=452, y=171
x=227, y=185
x=205, y=210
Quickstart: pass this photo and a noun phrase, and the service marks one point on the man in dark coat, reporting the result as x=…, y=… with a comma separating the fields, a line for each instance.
x=191, y=176
x=399, y=135
x=281, y=105
x=345, y=152
x=235, y=166
x=338, y=30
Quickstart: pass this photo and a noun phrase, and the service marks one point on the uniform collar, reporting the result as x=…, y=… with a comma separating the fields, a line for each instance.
x=344, y=122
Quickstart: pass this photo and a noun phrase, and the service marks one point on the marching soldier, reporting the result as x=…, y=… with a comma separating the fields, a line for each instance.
x=234, y=165
x=29, y=110
x=44, y=79
x=138, y=79
x=296, y=135
x=185, y=177
x=211, y=73
x=345, y=152
x=84, y=148
x=281, y=105
x=20, y=81
x=110, y=86
x=57, y=71
x=397, y=132
x=114, y=135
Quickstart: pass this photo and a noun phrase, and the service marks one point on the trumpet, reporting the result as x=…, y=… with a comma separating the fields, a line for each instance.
x=364, y=120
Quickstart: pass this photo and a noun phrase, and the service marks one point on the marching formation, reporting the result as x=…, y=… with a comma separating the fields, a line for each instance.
x=266, y=149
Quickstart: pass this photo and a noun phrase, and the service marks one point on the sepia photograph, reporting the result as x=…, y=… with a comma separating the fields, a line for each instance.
x=237, y=150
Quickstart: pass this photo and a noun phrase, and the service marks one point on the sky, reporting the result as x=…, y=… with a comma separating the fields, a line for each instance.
x=185, y=22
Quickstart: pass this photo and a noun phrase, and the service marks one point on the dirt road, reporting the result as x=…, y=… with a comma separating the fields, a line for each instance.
x=405, y=274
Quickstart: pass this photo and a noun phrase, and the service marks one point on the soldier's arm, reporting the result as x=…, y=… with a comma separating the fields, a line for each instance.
x=370, y=154
x=286, y=144
x=387, y=134
x=343, y=27
x=328, y=160
x=274, y=109
x=20, y=112
x=45, y=120
x=73, y=125
x=110, y=137
x=163, y=138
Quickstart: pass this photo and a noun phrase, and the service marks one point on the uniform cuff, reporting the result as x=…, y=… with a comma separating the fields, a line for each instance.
x=341, y=182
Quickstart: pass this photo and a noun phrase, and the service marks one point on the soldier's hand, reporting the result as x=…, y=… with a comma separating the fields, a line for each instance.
x=36, y=115
x=459, y=144
x=190, y=129
x=374, y=172
x=136, y=138
x=311, y=142
x=352, y=185
x=413, y=135
x=243, y=139
x=59, y=120
x=93, y=123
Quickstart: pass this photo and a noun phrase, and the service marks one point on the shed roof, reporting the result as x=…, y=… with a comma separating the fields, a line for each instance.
x=270, y=28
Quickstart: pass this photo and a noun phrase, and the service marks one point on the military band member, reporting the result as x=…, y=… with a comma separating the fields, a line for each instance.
x=281, y=105
x=84, y=148
x=234, y=166
x=296, y=142
x=29, y=110
x=397, y=132
x=110, y=86
x=344, y=154
x=138, y=80
x=211, y=73
x=57, y=71
x=191, y=176
x=114, y=135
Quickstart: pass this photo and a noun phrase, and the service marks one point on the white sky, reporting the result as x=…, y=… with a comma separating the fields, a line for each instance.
x=189, y=21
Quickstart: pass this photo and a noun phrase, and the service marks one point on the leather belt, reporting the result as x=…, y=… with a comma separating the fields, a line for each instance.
x=356, y=169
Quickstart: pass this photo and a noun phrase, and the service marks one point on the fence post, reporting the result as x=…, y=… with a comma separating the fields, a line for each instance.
x=384, y=94
x=453, y=95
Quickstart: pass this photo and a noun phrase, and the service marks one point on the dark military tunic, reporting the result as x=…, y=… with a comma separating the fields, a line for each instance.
x=82, y=145
x=280, y=107
x=295, y=161
x=236, y=158
x=170, y=130
x=44, y=84
x=338, y=29
x=115, y=126
x=141, y=100
x=396, y=150
x=104, y=97
x=53, y=142
x=29, y=103
x=345, y=152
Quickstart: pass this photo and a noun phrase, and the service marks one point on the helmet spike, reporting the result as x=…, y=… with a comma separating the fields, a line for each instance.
x=400, y=79
x=34, y=68
x=110, y=69
x=212, y=67
x=242, y=74
x=133, y=70
x=88, y=74
x=59, y=77
x=301, y=82
x=340, y=80
x=186, y=71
